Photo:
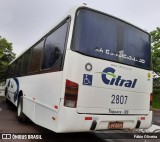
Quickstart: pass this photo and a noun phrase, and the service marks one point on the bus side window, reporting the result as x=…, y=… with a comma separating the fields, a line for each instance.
x=54, y=47
x=19, y=66
x=57, y=53
x=12, y=69
x=35, y=64
x=26, y=61
x=52, y=55
x=15, y=68
x=8, y=72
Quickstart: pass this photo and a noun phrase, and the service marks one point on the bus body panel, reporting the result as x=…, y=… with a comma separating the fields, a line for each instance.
x=45, y=95
x=75, y=122
x=99, y=98
x=41, y=97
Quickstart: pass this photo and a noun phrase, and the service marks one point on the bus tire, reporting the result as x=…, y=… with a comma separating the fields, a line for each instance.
x=20, y=115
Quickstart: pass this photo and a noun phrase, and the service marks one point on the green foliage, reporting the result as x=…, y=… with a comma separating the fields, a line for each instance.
x=155, y=39
x=6, y=56
x=156, y=99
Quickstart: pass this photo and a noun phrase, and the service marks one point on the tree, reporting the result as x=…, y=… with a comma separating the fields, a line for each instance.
x=6, y=56
x=155, y=39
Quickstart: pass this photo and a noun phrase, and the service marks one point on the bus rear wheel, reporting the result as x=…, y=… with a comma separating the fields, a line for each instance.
x=20, y=115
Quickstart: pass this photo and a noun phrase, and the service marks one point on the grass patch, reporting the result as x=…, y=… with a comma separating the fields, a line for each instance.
x=156, y=99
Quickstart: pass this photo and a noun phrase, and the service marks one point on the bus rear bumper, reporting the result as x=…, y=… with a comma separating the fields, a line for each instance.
x=75, y=122
x=129, y=121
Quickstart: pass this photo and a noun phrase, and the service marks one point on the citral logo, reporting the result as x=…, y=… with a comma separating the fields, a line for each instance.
x=109, y=78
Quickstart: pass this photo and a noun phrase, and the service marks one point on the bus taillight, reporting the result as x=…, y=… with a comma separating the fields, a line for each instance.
x=71, y=94
x=151, y=97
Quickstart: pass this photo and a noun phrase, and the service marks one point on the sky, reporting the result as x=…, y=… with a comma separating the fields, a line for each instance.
x=23, y=22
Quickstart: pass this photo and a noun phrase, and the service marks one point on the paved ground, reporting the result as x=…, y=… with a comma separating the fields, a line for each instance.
x=156, y=117
x=9, y=124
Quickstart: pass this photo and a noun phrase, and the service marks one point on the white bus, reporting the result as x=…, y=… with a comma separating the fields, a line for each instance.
x=92, y=71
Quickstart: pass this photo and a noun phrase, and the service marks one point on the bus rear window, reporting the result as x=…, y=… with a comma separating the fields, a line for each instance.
x=105, y=37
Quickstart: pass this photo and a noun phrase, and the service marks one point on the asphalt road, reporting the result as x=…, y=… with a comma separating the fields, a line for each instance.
x=156, y=118
x=9, y=124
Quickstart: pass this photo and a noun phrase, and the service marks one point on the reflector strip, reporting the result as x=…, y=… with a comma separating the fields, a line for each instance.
x=56, y=107
x=88, y=118
x=142, y=118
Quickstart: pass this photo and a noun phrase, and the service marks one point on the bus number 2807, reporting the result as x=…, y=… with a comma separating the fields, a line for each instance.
x=119, y=99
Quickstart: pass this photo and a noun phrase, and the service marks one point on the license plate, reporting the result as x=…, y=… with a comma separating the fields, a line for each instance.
x=115, y=125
